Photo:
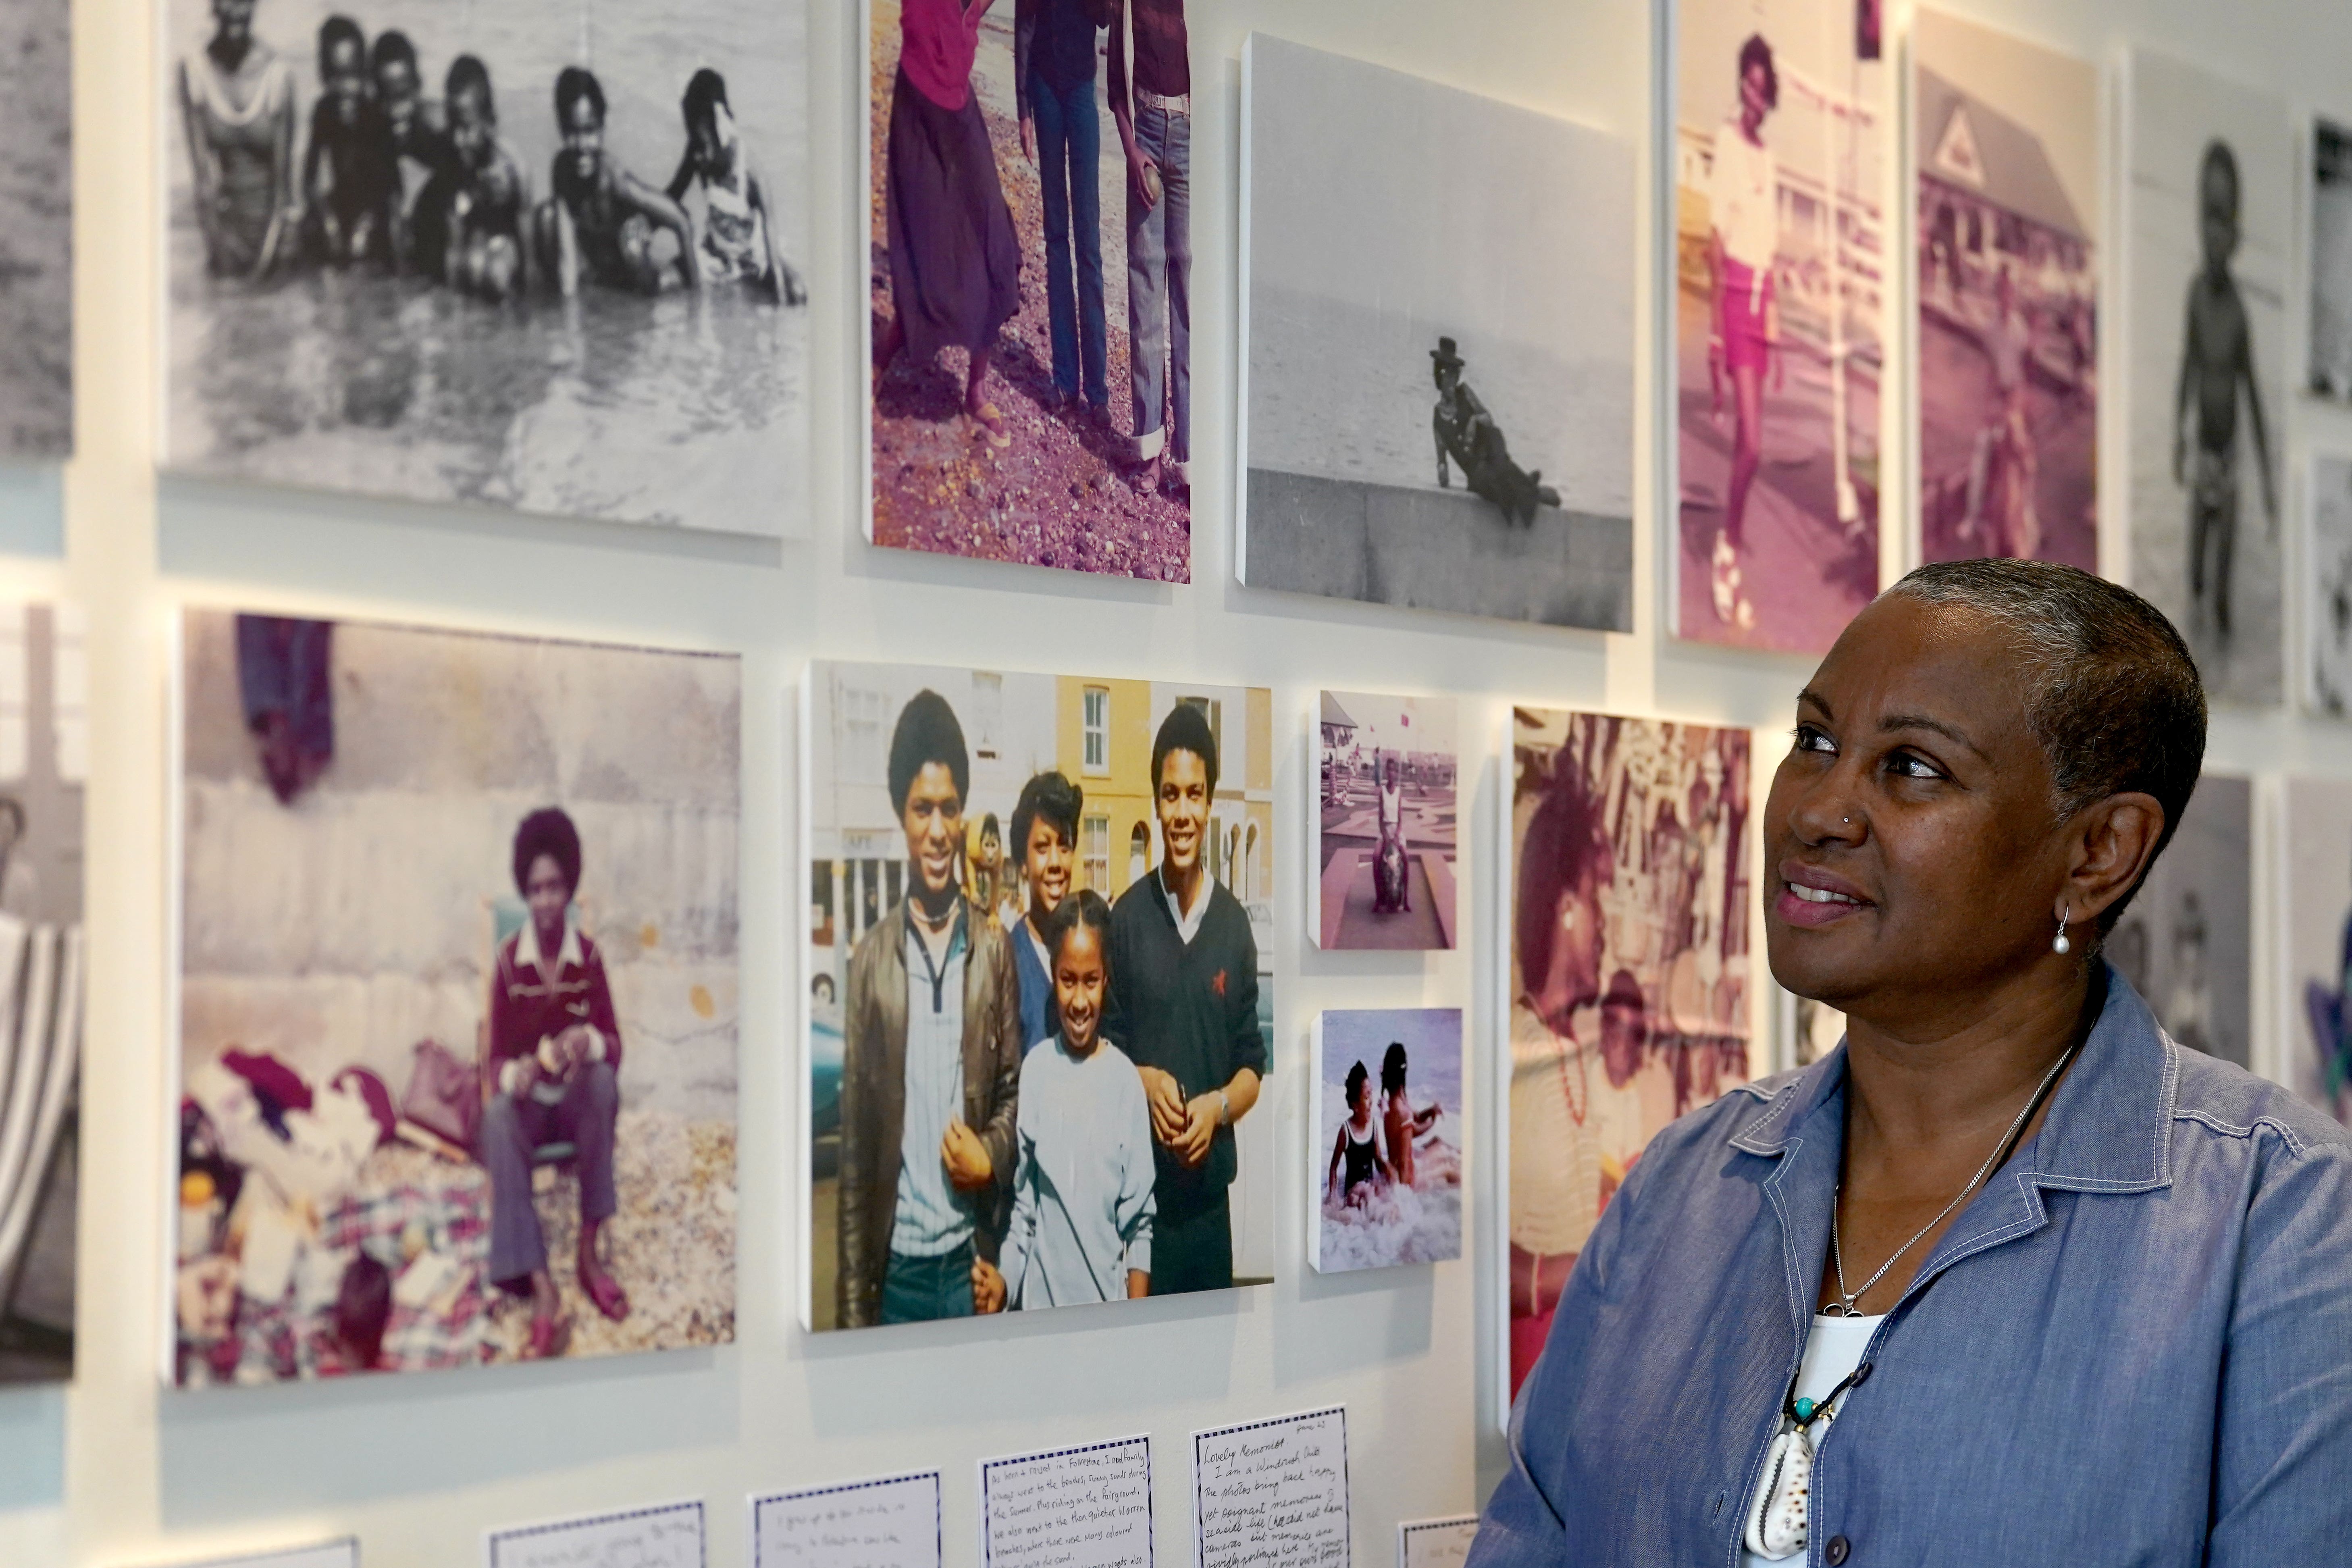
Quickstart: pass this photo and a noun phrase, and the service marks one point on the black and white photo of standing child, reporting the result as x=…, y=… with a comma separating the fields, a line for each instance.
x=2208, y=216
x=379, y=283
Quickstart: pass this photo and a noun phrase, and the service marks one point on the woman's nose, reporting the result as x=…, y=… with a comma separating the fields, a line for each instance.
x=1826, y=814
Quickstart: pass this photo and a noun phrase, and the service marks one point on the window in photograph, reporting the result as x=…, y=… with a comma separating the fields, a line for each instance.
x=1096, y=720
x=1096, y=859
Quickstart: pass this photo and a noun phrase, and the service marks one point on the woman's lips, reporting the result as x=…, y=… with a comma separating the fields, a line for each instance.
x=1812, y=897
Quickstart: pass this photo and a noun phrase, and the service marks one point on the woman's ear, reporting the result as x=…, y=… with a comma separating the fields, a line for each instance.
x=2113, y=842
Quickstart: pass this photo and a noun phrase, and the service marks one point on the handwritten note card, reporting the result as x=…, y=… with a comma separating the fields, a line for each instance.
x=1072, y=1508
x=888, y=1523
x=1435, y=1542
x=1273, y=1494
x=667, y=1536
x=343, y=1553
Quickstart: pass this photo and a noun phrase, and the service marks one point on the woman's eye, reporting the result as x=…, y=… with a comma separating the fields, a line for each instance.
x=1810, y=739
x=1910, y=765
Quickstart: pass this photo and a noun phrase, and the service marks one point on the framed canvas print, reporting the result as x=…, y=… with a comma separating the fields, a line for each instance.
x=44, y=970
x=1029, y=387
x=2185, y=939
x=1629, y=984
x=542, y=256
x=36, y=215
x=1438, y=371
x=1386, y=823
x=1385, y=1167
x=2327, y=594
x=2318, y=890
x=457, y=999
x=2328, y=352
x=2209, y=205
x=2005, y=144
x=1782, y=139
x=1041, y=990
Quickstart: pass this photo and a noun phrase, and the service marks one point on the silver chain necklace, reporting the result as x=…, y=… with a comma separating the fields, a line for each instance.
x=1843, y=1306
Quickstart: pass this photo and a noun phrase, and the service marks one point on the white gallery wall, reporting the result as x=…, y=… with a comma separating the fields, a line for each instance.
x=116, y=1470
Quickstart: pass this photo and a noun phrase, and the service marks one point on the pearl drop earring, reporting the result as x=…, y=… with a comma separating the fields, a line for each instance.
x=2061, y=945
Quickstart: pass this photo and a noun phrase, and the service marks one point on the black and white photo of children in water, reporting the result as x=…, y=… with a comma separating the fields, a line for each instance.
x=539, y=256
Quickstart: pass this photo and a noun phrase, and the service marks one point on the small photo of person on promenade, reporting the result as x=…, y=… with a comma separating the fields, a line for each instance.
x=1039, y=1097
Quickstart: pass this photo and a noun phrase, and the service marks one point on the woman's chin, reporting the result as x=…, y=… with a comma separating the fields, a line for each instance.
x=1819, y=963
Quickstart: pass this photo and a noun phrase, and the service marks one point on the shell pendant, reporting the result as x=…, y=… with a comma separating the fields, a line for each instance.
x=1776, y=1518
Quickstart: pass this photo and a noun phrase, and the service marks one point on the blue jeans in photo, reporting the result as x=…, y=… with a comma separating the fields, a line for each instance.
x=1069, y=169
x=917, y=1290
x=1160, y=289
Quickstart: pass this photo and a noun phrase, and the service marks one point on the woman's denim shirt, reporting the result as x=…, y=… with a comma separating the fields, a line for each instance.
x=2133, y=1347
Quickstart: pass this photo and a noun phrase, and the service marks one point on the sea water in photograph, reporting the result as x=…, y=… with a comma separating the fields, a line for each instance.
x=371, y=300
x=36, y=231
x=1386, y=1163
x=1439, y=347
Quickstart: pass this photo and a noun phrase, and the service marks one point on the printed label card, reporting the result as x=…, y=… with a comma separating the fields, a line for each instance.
x=1088, y=1506
x=1435, y=1542
x=1273, y=1494
x=892, y=1522
x=666, y=1537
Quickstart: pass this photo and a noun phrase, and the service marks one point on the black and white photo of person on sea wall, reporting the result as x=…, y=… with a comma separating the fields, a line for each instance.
x=532, y=256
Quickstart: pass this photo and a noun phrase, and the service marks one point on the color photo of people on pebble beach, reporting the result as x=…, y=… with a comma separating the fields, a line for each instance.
x=1030, y=177
x=539, y=255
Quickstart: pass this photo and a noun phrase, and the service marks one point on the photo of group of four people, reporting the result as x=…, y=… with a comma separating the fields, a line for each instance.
x=1032, y=1091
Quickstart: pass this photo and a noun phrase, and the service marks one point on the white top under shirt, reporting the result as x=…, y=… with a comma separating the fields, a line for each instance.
x=1743, y=198
x=1832, y=1350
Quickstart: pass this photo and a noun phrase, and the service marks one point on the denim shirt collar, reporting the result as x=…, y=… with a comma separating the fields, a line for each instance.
x=2108, y=1130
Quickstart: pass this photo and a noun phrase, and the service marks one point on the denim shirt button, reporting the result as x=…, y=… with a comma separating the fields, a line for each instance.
x=1835, y=1549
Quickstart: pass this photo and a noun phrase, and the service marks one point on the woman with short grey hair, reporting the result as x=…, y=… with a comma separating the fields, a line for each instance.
x=2009, y=1276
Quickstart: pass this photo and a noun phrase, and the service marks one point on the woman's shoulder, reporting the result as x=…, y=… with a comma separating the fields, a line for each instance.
x=2219, y=1100
x=1697, y=1138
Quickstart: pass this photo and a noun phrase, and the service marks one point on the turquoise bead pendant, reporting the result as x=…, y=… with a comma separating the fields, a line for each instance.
x=1804, y=1410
